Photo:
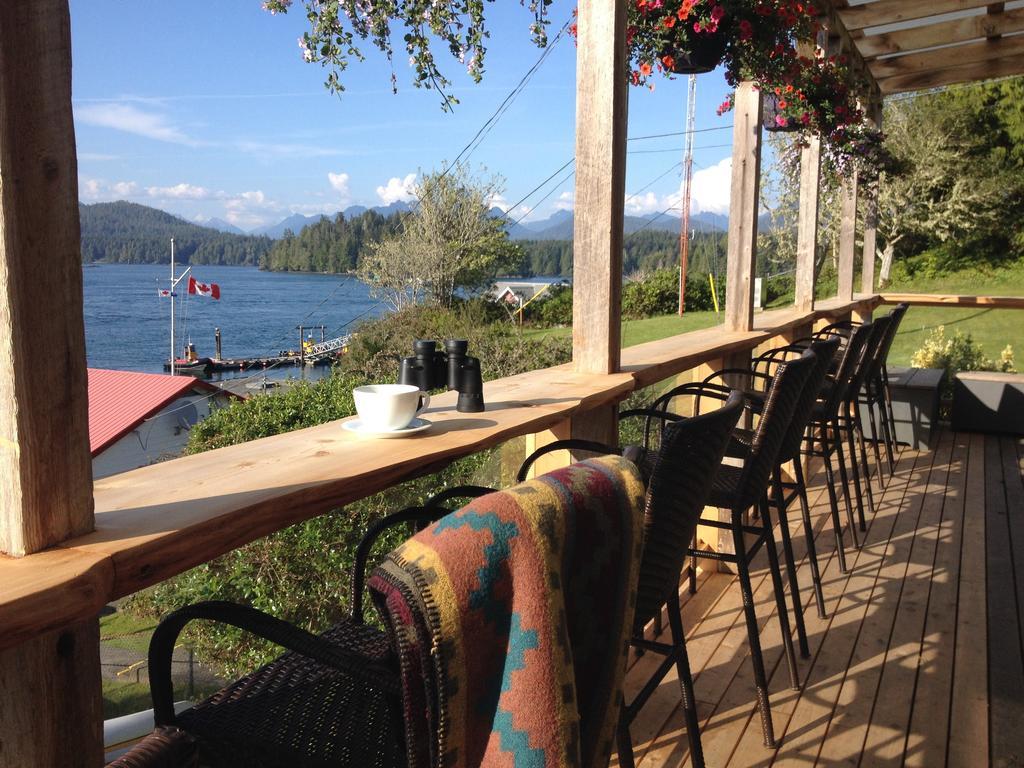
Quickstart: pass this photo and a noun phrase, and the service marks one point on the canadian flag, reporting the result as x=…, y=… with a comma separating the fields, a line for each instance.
x=203, y=289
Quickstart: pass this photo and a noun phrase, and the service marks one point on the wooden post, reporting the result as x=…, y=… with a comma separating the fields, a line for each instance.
x=847, y=236
x=50, y=692
x=867, y=269
x=743, y=208
x=807, y=224
x=601, y=105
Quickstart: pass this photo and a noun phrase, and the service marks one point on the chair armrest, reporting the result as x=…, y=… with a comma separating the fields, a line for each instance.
x=161, y=649
x=562, y=445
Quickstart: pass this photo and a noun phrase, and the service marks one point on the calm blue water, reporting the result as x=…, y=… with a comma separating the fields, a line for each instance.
x=127, y=324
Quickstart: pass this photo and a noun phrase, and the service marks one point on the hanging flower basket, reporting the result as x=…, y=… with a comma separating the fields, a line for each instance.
x=704, y=54
x=774, y=117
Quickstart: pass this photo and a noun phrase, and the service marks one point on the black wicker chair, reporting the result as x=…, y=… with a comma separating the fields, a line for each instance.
x=331, y=699
x=738, y=489
x=826, y=428
x=679, y=476
x=876, y=393
x=784, y=491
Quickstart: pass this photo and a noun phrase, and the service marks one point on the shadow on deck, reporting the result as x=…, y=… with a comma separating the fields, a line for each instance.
x=920, y=660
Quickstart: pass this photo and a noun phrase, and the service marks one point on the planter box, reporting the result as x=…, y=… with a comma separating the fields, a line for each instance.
x=985, y=401
x=915, y=406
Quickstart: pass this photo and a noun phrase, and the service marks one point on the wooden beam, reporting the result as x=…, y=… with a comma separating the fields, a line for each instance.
x=945, y=58
x=51, y=711
x=807, y=223
x=867, y=264
x=942, y=300
x=942, y=33
x=847, y=237
x=45, y=466
x=601, y=105
x=743, y=208
x=969, y=73
x=882, y=12
x=50, y=689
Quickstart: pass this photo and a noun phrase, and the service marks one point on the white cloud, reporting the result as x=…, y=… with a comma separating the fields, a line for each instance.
x=498, y=200
x=643, y=204
x=131, y=119
x=181, y=191
x=95, y=157
x=712, y=188
x=339, y=181
x=398, y=190
x=270, y=149
x=565, y=202
x=97, y=190
x=124, y=188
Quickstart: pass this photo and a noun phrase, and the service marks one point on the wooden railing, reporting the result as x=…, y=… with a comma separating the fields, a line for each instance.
x=944, y=300
x=155, y=522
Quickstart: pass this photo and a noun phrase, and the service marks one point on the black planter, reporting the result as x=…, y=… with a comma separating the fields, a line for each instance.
x=706, y=52
x=770, y=111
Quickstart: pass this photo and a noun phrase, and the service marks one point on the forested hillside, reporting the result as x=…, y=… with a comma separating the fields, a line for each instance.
x=329, y=245
x=127, y=233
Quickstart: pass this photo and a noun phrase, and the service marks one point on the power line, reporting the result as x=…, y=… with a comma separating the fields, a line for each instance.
x=489, y=124
x=675, y=149
x=549, y=194
x=680, y=133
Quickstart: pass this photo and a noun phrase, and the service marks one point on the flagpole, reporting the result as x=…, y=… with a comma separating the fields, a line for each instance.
x=172, y=306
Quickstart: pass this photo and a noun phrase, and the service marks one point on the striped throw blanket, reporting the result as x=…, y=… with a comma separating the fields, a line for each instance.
x=511, y=619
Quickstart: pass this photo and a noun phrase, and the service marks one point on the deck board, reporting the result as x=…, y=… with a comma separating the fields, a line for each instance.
x=921, y=658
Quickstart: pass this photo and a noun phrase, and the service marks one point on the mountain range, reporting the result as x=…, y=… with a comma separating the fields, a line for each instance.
x=558, y=226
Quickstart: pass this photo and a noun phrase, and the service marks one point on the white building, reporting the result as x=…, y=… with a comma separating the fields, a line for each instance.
x=137, y=419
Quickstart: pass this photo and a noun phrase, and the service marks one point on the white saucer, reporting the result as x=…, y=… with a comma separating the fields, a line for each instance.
x=413, y=427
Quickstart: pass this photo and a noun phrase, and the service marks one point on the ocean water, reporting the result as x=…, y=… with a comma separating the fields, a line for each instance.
x=127, y=324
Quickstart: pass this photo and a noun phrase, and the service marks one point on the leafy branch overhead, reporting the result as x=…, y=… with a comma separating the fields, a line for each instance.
x=337, y=28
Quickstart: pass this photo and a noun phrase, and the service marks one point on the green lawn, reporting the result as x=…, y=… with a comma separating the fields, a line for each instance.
x=124, y=698
x=993, y=329
x=648, y=329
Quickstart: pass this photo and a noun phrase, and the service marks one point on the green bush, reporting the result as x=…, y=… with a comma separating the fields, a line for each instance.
x=656, y=294
x=958, y=352
x=556, y=309
x=301, y=574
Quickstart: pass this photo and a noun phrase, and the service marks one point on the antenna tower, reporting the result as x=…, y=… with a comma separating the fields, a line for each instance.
x=684, y=227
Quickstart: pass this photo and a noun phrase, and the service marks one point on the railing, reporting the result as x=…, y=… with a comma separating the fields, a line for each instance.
x=158, y=521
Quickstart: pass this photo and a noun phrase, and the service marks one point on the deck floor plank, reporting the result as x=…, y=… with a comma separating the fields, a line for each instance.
x=885, y=738
x=927, y=735
x=1004, y=501
x=917, y=664
x=831, y=674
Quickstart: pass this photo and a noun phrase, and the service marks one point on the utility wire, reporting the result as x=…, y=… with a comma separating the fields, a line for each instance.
x=680, y=133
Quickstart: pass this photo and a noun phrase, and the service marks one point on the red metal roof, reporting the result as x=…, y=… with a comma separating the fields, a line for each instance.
x=121, y=400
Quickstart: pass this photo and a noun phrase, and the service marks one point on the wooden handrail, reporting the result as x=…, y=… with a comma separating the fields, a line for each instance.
x=155, y=522
x=944, y=300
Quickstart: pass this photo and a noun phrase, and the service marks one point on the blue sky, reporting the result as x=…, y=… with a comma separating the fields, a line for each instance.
x=206, y=109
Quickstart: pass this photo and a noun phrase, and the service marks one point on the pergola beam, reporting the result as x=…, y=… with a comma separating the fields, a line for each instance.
x=877, y=14
x=982, y=70
x=952, y=57
x=942, y=33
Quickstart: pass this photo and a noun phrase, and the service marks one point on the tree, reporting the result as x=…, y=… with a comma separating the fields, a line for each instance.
x=450, y=241
x=335, y=26
x=959, y=184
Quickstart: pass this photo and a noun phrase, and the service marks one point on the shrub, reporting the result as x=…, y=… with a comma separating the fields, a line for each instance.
x=656, y=294
x=958, y=352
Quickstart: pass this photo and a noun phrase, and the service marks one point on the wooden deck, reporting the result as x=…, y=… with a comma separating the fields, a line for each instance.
x=920, y=659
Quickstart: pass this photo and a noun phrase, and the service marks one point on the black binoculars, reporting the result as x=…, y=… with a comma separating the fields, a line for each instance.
x=430, y=368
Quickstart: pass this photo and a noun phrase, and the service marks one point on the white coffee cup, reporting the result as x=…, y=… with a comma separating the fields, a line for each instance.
x=387, y=407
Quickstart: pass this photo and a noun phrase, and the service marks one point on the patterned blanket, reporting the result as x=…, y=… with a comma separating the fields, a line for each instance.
x=511, y=617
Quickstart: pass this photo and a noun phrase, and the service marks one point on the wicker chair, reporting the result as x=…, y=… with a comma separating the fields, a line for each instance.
x=678, y=475
x=331, y=699
x=826, y=428
x=877, y=394
x=785, y=491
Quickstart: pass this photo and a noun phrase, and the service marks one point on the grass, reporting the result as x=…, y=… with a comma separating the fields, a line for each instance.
x=647, y=329
x=993, y=329
x=122, y=630
x=124, y=698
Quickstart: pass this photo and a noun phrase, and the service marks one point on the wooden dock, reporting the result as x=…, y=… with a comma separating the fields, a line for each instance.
x=920, y=660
